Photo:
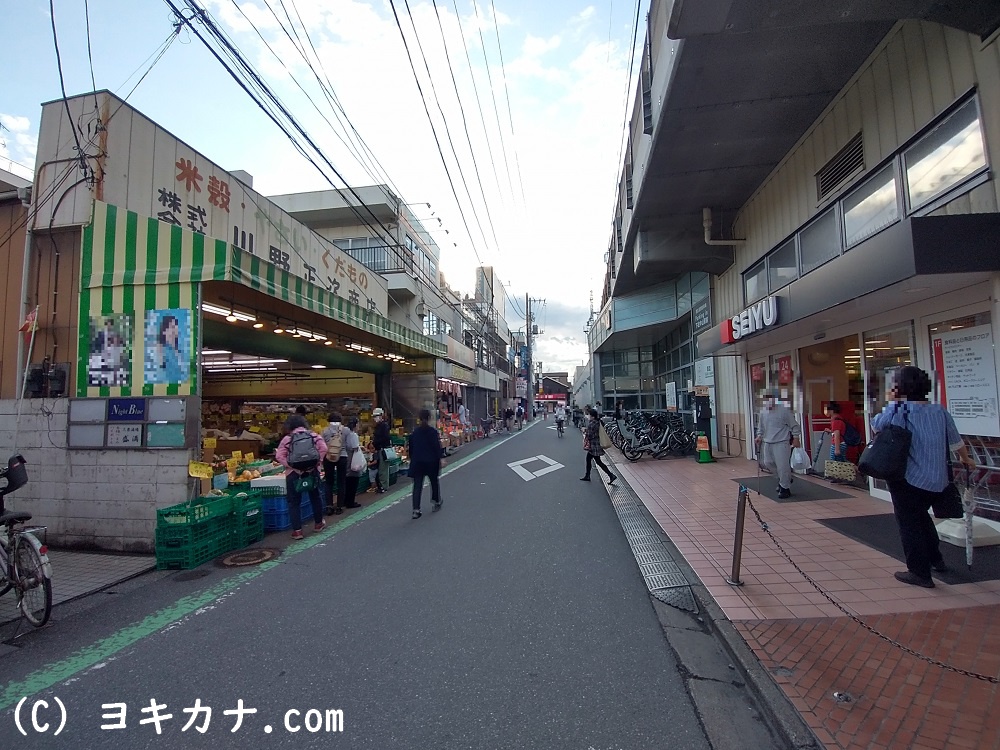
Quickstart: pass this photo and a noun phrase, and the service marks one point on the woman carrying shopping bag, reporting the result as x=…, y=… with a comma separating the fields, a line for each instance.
x=356, y=463
x=592, y=444
x=933, y=435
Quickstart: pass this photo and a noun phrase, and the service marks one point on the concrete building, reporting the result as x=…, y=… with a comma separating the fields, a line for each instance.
x=807, y=202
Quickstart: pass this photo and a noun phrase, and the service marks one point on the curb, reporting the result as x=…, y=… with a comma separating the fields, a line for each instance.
x=788, y=724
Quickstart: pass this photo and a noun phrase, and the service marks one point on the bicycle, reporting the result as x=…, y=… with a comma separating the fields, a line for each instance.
x=560, y=430
x=24, y=561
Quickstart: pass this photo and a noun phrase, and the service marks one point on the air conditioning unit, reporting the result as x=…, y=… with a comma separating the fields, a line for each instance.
x=421, y=310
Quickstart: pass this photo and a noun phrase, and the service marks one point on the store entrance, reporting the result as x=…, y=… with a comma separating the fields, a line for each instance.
x=831, y=372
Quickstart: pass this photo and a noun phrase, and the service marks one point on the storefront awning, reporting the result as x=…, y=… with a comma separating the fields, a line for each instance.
x=127, y=250
x=924, y=255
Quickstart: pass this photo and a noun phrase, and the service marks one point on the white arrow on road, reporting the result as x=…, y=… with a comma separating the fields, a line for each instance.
x=526, y=475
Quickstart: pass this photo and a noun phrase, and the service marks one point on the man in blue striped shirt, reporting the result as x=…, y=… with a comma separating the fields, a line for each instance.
x=933, y=436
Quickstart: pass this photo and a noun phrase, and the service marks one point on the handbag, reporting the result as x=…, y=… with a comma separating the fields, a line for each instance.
x=885, y=457
x=949, y=501
x=605, y=439
x=842, y=471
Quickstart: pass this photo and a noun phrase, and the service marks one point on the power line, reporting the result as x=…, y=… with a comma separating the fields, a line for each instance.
x=510, y=117
x=62, y=85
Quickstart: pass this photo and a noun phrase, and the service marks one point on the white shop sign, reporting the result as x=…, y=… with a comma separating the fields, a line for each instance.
x=760, y=315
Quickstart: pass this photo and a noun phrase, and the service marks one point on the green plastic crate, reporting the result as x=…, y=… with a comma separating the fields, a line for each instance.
x=196, y=511
x=250, y=526
x=187, y=556
x=193, y=534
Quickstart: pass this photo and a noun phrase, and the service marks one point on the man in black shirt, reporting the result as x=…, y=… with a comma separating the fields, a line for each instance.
x=381, y=441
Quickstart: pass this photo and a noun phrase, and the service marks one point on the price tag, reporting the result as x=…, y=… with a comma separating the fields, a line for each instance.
x=237, y=455
x=232, y=463
x=248, y=458
x=397, y=423
x=255, y=428
x=210, y=443
x=199, y=470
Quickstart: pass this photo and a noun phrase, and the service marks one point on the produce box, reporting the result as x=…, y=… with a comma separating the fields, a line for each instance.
x=200, y=509
x=278, y=480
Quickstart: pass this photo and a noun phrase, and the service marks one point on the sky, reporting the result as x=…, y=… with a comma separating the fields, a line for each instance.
x=520, y=166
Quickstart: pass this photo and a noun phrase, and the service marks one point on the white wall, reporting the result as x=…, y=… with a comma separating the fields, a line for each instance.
x=89, y=499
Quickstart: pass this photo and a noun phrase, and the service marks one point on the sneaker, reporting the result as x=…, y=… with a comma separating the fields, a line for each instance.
x=297, y=534
x=416, y=514
x=320, y=526
x=337, y=511
x=584, y=479
x=436, y=506
x=783, y=492
x=370, y=490
x=906, y=576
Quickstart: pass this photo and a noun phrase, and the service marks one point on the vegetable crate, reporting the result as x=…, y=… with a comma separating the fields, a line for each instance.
x=188, y=545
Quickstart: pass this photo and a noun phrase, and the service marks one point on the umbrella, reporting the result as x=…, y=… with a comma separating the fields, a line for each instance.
x=969, y=506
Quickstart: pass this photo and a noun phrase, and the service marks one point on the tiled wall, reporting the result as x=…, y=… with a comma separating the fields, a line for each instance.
x=89, y=499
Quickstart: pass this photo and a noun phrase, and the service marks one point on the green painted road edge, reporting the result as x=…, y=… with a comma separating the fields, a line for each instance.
x=102, y=650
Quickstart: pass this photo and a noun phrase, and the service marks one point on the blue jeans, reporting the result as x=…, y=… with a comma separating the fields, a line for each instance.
x=294, y=498
x=419, y=470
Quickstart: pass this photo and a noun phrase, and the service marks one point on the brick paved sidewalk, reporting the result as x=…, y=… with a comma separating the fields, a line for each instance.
x=812, y=649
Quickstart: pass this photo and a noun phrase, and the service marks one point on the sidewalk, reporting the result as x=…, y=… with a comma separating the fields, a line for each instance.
x=888, y=698
x=75, y=574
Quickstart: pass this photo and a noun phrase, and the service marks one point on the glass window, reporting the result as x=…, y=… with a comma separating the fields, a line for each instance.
x=699, y=287
x=819, y=242
x=755, y=282
x=683, y=294
x=782, y=268
x=944, y=157
x=871, y=208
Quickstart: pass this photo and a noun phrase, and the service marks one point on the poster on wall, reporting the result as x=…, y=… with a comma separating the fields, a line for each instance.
x=110, y=359
x=784, y=370
x=966, y=370
x=167, y=347
x=671, y=396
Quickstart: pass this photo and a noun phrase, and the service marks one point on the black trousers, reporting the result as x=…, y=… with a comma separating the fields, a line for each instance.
x=294, y=498
x=916, y=529
x=419, y=470
x=336, y=473
x=592, y=458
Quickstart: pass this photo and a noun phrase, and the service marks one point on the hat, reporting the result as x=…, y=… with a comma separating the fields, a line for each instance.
x=378, y=412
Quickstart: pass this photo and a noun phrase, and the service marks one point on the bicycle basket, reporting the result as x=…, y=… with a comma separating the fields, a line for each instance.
x=17, y=475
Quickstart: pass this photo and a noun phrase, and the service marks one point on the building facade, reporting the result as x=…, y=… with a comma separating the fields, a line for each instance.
x=833, y=170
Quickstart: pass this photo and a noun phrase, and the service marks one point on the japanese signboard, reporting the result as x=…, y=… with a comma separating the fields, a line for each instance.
x=147, y=170
x=966, y=370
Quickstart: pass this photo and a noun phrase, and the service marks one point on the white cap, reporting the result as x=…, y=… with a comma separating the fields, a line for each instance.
x=378, y=412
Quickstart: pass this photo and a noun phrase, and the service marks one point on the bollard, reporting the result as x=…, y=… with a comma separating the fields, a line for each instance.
x=741, y=512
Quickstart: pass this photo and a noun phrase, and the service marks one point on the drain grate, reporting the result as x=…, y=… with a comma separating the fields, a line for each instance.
x=660, y=568
x=637, y=527
x=634, y=539
x=666, y=580
x=652, y=549
x=679, y=596
x=648, y=558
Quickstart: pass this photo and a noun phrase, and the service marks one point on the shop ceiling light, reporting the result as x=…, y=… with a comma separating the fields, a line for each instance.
x=207, y=352
x=232, y=316
x=258, y=324
x=328, y=343
x=318, y=367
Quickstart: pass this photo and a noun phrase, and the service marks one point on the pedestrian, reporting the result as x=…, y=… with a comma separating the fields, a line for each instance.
x=351, y=446
x=425, y=461
x=300, y=452
x=933, y=435
x=777, y=433
x=381, y=441
x=592, y=444
x=618, y=409
x=335, y=464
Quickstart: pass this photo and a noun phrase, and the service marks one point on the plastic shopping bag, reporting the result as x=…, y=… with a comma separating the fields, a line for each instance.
x=800, y=460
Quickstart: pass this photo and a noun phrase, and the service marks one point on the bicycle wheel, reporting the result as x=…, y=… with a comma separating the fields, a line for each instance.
x=34, y=589
x=631, y=453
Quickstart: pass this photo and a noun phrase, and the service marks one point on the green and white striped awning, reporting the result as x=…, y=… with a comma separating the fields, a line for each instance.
x=123, y=249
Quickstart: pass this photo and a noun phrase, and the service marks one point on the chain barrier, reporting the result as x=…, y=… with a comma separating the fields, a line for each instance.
x=859, y=621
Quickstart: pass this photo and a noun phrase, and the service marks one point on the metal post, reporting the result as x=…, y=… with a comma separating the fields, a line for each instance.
x=741, y=512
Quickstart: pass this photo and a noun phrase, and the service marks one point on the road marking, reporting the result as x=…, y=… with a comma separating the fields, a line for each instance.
x=526, y=475
x=104, y=649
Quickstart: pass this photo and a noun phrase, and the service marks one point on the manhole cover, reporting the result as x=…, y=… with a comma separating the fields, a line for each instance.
x=245, y=557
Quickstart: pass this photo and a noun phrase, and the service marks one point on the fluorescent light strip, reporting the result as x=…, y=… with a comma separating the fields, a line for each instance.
x=216, y=310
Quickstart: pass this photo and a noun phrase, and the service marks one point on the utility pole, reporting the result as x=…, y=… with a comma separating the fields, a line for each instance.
x=529, y=366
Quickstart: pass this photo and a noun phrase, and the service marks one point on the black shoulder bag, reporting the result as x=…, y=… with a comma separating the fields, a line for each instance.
x=949, y=501
x=886, y=455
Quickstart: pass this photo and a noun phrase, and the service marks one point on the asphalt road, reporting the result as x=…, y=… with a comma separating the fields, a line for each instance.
x=514, y=618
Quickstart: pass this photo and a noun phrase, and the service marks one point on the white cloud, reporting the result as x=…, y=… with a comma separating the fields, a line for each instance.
x=15, y=123
x=18, y=145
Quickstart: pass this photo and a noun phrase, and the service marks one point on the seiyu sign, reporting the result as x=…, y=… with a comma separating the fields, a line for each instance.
x=757, y=317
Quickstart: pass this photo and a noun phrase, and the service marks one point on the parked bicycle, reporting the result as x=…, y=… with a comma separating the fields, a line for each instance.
x=24, y=560
x=658, y=434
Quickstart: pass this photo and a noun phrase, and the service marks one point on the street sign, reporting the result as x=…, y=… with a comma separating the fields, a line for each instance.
x=518, y=467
